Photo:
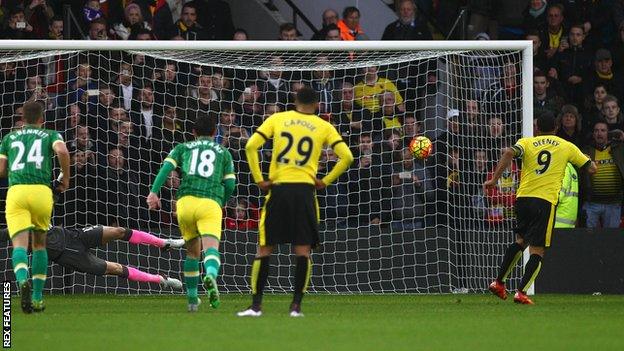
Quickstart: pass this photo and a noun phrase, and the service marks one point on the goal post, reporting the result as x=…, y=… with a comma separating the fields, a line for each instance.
x=391, y=224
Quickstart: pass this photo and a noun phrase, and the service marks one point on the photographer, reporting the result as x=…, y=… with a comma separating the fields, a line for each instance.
x=603, y=191
x=17, y=27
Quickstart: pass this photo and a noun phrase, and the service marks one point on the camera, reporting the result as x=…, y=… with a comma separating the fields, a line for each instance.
x=20, y=25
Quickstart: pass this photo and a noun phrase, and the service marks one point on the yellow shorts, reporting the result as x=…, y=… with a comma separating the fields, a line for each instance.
x=199, y=217
x=28, y=207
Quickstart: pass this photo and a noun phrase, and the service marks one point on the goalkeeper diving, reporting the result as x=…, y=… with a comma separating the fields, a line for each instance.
x=71, y=248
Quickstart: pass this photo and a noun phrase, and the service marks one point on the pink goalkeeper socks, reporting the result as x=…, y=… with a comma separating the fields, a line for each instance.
x=139, y=237
x=138, y=276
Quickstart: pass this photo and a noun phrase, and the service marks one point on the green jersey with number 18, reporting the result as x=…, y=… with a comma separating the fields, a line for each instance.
x=29, y=153
x=204, y=165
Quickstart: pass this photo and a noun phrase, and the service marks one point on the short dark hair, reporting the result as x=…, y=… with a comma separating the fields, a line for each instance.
x=546, y=122
x=307, y=96
x=539, y=73
x=56, y=19
x=287, y=27
x=33, y=111
x=600, y=121
x=349, y=10
x=205, y=124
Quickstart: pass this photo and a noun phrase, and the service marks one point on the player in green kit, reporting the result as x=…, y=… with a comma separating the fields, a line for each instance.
x=207, y=182
x=27, y=155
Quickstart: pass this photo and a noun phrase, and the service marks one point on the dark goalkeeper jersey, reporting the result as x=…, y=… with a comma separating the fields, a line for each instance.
x=204, y=165
x=29, y=153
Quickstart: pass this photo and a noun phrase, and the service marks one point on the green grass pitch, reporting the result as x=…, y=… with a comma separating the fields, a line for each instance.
x=331, y=322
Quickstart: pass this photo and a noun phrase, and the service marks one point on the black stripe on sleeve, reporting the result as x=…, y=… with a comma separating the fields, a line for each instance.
x=518, y=150
x=585, y=165
x=336, y=143
x=262, y=134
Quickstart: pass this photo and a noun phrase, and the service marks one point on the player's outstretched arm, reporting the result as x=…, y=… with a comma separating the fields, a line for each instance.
x=503, y=163
x=345, y=159
x=63, y=156
x=3, y=167
x=153, y=201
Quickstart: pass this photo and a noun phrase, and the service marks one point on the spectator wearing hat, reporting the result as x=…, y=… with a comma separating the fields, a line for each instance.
x=408, y=26
x=603, y=73
x=569, y=122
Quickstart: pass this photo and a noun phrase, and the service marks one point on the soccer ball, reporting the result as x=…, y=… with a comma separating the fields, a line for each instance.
x=421, y=147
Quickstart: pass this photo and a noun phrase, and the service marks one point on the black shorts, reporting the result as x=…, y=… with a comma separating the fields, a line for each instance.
x=290, y=216
x=77, y=254
x=535, y=219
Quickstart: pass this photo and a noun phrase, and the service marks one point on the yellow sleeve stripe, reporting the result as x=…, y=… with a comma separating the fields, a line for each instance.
x=172, y=161
x=3, y=156
x=229, y=176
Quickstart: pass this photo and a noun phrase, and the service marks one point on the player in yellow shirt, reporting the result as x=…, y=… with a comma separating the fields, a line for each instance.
x=544, y=159
x=290, y=213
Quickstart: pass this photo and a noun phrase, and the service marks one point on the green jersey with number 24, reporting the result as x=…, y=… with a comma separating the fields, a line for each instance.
x=204, y=165
x=29, y=154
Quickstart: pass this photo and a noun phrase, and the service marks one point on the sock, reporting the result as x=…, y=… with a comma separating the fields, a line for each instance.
x=20, y=264
x=139, y=237
x=191, y=278
x=39, y=272
x=259, y=275
x=139, y=276
x=512, y=255
x=303, y=270
x=531, y=270
x=212, y=262
x=127, y=234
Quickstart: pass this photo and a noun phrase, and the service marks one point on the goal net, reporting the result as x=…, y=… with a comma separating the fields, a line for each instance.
x=391, y=224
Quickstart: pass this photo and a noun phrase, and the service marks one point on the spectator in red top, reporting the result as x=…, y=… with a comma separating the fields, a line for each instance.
x=349, y=25
x=241, y=214
x=502, y=197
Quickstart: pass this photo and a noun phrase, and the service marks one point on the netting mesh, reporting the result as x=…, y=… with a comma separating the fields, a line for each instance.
x=390, y=224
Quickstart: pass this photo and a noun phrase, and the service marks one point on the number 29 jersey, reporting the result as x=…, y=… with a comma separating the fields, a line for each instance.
x=544, y=159
x=298, y=140
x=204, y=165
x=29, y=153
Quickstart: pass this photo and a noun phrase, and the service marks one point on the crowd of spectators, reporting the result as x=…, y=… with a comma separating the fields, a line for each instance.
x=121, y=113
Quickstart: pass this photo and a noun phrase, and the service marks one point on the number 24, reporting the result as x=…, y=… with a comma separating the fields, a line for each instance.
x=34, y=155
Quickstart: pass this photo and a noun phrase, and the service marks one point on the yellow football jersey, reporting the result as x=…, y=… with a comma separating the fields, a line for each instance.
x=367, y=96
x=298, y=140
x=544, y=160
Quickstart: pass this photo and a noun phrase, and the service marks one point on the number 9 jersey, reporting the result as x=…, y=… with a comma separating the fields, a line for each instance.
x=544, y=159
x=298, y=140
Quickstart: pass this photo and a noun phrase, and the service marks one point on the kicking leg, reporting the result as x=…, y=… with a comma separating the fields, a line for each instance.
x=19, y=259
x=531, y=270
x=512, y=255
x=138, y=237
x=212, y=263
x=133, y=274
x=259, y=275
x=303, y=270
